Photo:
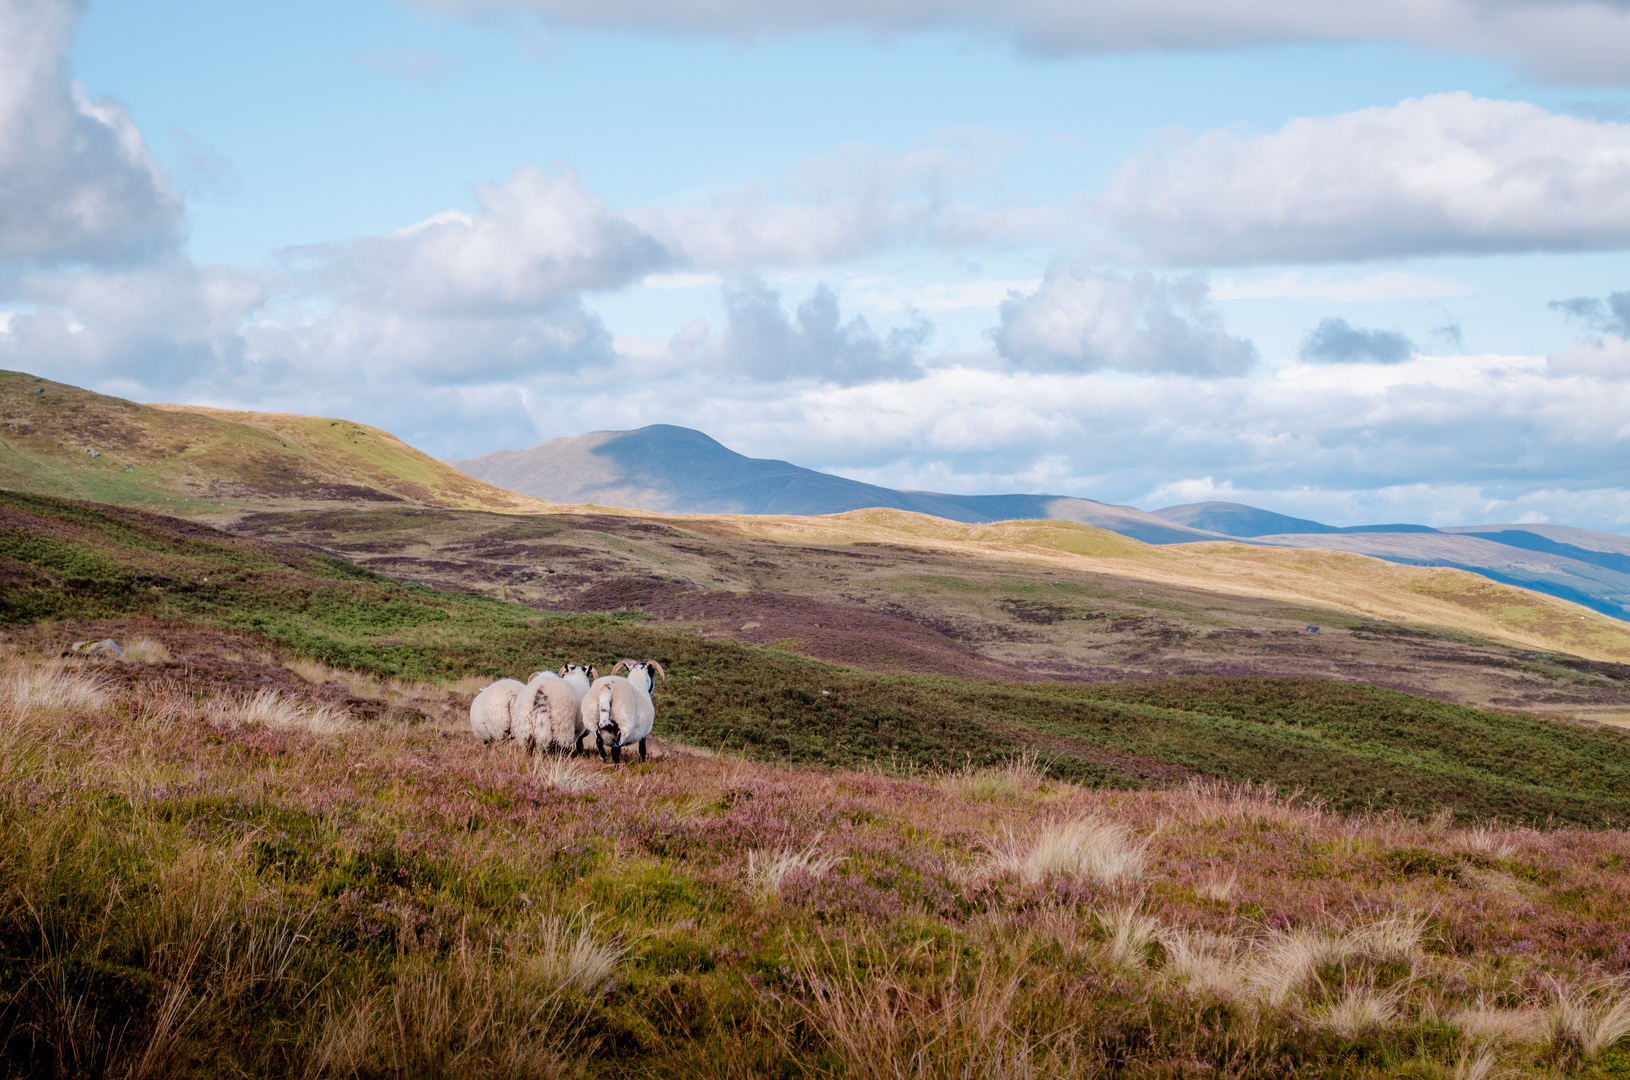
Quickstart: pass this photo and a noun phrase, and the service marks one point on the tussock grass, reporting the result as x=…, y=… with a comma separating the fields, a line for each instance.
x=566, y=774
x=1022, y=774
x=1128, y=934
x=1592, y=1018
x=146, y=650
x=51, y=689
x=1530, y=1025
x=767, y=870
x=1360, y=1009
x=268, y=708
x=1086, y=848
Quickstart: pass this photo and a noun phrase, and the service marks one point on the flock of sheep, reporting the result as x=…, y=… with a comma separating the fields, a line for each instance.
x=556, y=710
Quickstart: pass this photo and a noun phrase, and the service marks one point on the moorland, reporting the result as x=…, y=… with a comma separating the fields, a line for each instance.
x=928, y=799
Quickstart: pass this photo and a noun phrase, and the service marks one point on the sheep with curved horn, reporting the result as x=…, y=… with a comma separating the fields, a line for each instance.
x=619, y=709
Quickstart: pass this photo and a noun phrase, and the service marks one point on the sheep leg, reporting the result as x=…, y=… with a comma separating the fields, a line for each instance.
x=600, y=744
x=617, y=754
x=642, y=749
x=577, y=750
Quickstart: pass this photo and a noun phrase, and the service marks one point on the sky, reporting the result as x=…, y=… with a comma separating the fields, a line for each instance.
x=1361, y=263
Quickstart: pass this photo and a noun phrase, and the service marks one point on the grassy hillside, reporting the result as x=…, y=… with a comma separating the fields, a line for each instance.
x=1355, y=584
x=199, y=881
x=60, y=440
x=1355, y=747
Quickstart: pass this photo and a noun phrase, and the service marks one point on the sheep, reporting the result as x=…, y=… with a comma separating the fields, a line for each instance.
x=546, y=714
x=620, y=710
x=490, y=711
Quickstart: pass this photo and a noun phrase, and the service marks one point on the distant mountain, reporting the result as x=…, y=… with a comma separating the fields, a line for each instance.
x=677, y=470
x=1237, y=519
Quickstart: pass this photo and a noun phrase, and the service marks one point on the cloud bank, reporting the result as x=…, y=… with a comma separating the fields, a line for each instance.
x=1081, y=320
x=1440, y=175
x=77, y=183
x=1574, y=41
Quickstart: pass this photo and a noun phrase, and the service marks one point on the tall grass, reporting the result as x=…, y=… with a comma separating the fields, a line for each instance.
x=1087, y=848
x=199, y=885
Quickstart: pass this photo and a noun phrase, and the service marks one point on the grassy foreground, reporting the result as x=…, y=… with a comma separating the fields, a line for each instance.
x=198, y=883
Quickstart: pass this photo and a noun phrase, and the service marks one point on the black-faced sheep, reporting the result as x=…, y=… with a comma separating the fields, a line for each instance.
x=619, y=710
x=547, y=713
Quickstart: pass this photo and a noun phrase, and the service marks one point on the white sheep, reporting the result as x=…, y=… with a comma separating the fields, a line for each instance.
x=619, y=710
x=546, y=714
x=490, y=711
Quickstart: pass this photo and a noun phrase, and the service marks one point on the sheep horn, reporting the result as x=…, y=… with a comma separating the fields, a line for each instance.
x=534, y=675
x=653, y=663
x=622, y=664
x=562, y=671
x=594, y=673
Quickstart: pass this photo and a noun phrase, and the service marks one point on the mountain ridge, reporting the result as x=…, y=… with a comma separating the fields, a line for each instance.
x=666, y=468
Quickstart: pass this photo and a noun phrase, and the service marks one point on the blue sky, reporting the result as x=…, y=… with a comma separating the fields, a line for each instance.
x=1080, y=248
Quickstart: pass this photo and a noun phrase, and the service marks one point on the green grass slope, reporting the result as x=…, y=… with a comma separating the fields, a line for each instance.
x=1355, y=747
x=57, y=439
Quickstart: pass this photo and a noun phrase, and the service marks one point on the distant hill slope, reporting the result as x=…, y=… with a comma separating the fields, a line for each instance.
x=677, y=470
x=57, y=439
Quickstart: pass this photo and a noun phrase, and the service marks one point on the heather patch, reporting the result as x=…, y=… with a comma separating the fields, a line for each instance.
x=192, y=884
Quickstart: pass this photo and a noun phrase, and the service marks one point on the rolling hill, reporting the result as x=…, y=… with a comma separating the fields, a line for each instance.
x=57, y=439
x=677, y=470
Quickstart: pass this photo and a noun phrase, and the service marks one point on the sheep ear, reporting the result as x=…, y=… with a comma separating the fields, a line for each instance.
x=653, y=663
x=594, y=673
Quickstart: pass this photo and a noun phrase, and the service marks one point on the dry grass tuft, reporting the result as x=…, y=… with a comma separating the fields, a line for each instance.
x=145, y=650
x=882, y=1024
x=1127, y=936
x=1206, y=963
x=766, y=870
x=1217, y=888
x=565, y=774
x=1018, y=776
x=1510, y=1025
x=1087, y=848
x=268, y=708
x=560, y=959
x=1594, y=1018
x=53, y=689
x=1360, y=1009
x=1479, y=840
x=1479, y=1066
x=1220, y=801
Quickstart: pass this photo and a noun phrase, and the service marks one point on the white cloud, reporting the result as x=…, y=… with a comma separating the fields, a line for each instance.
x=1297, y=285
x=76, y=180
x=538, y=241
x=1448, y=173
x=1081, y=320
x=762, y=341
x=1579, y=41
x=850, y=204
